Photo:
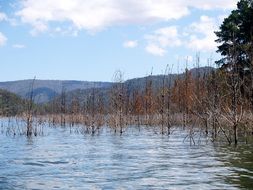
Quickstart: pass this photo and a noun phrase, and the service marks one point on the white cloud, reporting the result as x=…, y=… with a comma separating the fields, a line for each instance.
x=202, y=36
x=155, y=50
x=197, y=36
x=165, y=37
x=3, y=16
x=3, y=39
x=39, y=27
x=63, y=31
x=96, y=15
x=18, y=46
x=162, y=38
x=130, y=44
x=213, y=4
x=11, y=21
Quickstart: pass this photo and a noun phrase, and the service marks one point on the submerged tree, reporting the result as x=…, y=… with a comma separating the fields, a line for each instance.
x=63, y=108
x=29, y=110
x=117, y=99
x=149, y=100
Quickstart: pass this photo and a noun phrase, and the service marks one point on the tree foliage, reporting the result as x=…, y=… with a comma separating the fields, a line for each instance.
x=236, y=37
x=10, y=104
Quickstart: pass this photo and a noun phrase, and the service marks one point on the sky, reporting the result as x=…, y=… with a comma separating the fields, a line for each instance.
x=90, y=40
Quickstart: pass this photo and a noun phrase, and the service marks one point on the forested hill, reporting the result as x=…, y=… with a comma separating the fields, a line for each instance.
x=137, y=84
x=10, y=103
x=46, y=90
x=157, y=80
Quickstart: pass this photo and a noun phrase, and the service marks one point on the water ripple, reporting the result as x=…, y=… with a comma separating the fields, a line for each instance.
x=135, y=160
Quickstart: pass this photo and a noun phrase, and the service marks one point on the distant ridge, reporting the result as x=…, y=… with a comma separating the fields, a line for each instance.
x=46, y=90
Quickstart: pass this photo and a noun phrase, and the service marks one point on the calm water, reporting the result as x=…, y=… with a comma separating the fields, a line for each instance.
x=135, y=160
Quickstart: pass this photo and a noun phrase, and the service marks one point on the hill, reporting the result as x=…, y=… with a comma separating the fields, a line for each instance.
x=10, y=104
x=136, y=84
x=157, y=80
x=46, y=90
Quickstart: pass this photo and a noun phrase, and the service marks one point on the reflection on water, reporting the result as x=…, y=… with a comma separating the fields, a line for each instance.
x=240, y=160
x=135, y=160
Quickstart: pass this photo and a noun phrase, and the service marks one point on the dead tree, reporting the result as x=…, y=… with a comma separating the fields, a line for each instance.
x=63, y=107
x=168, y=103
x=75, y=108
x=29, y=110
x=137, y=106
x=149, y=100
x=117, y=99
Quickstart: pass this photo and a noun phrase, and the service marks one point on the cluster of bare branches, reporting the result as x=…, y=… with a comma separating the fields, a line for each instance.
x=211, y=103
x=217, y=104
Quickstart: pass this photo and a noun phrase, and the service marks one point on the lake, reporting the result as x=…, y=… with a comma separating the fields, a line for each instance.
x=138, y=159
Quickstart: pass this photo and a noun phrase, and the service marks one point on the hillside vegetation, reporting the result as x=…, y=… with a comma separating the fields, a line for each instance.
x=10, y=104
x=46, y=90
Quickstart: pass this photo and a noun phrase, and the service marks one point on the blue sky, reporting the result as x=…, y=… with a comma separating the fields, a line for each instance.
x=90, y=40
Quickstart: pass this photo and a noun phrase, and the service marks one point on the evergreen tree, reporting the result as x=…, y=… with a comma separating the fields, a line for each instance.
x=236, y=37
x=236, y=46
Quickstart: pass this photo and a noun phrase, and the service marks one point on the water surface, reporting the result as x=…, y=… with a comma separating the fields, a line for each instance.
x=64, y=159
